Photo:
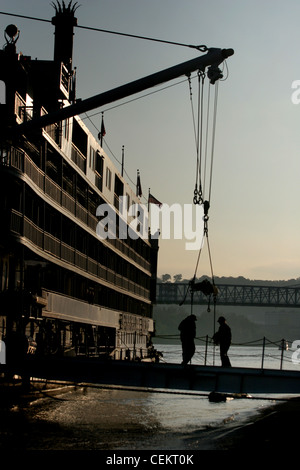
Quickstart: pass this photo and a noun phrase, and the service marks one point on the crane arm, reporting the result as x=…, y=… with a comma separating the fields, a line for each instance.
x=213, y=57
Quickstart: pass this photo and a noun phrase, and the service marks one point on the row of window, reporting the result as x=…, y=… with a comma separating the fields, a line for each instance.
x=96, y=164
x=46, y=218
x=60, y=280
x=59, y=171
x=80, y=140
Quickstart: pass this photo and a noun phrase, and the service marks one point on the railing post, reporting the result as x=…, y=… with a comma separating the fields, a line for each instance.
x=206, y=346
x=282, y=352
x=263, y=353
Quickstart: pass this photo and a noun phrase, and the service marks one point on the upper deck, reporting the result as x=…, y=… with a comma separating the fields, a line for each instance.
x=53, y=182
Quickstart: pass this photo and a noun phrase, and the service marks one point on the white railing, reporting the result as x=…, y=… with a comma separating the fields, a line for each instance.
x=78, y=157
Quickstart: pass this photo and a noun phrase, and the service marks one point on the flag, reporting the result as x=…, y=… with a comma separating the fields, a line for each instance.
x=138, y=185
x=153, y=200
x=102, y=132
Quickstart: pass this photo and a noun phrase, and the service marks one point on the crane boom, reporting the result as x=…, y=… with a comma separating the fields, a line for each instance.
x=214, y=57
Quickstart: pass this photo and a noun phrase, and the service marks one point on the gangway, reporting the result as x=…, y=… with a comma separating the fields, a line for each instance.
x=192, y=378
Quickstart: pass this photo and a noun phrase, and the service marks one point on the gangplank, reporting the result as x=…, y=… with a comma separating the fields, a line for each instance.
x=163, y=376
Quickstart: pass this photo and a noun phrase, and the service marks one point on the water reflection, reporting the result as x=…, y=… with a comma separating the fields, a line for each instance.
x=85, y=419
x=91, y=419
x=99, y=419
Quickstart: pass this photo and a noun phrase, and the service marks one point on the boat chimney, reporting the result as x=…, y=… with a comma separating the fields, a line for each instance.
x=64, y=22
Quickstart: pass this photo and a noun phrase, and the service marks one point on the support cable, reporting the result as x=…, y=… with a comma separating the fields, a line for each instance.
x=213, y=137
x=198, y=129
x=201, y=77
x=201, y=48
x=196, y=139
x=198, y=194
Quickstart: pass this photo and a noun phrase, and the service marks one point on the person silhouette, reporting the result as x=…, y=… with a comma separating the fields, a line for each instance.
x=223, y=338
x=187, y=330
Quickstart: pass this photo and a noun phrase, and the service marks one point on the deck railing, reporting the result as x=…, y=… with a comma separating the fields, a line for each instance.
x=47, y=242
x=13, y=157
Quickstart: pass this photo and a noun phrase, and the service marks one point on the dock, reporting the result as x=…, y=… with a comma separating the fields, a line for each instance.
x=163, y=376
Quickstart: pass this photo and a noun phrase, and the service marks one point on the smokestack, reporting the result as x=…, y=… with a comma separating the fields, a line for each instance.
x=64, y=22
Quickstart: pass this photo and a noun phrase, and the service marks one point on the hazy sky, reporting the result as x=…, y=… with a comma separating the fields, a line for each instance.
x=254, y=225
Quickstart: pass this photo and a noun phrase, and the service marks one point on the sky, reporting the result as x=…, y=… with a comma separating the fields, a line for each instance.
x=254, y=222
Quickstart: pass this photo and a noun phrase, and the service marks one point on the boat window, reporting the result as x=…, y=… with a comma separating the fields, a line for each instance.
x=68, y=179
x=66, y=125
x=92, y=158
x=119, y=186
x=119, y=189
x=79, y=138
x=108, y=178
x=99, y=163
x=53, y=165
x=128, y=201
x=81, y=192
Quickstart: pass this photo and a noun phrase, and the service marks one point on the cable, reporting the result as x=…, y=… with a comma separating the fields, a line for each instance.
x=125, y=103
x=206, y=134
x=135, y=99
x=201, y=77
x=197, y=199
x=24, y=16
x=201, y=47
x=198, y=135
x=213, y=137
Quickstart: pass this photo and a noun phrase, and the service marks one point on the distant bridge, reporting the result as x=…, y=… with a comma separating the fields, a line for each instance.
x=252, y=296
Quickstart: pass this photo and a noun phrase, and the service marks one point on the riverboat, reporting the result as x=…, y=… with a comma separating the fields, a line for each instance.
x=66, y=289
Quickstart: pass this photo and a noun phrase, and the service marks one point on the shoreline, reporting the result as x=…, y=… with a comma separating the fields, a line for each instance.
x=272, y=429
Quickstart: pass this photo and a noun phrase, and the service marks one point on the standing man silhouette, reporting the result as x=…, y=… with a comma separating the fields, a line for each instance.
x=223, y=338
x=187, y=330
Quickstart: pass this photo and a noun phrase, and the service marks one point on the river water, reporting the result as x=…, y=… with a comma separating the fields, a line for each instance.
x=114, y=419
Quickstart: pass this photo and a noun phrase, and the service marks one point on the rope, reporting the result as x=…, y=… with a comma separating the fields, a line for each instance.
x=254, y=343
x=207, y=133
x=210, y=258
x=201, y=173
x=209, y=354
x=213, y=137
x=200, y=127
x=196, y=135
x=198, y=194
x=198, y=130
x=201, y=48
